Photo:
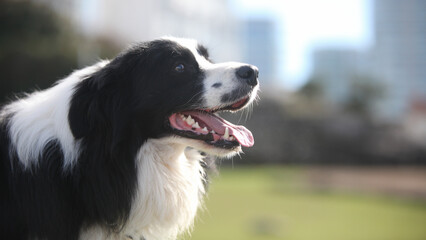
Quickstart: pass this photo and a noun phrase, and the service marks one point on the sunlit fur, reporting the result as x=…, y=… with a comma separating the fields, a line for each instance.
x=93, y=157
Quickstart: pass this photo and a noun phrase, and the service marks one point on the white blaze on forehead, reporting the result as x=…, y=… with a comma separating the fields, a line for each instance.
x=192, y=45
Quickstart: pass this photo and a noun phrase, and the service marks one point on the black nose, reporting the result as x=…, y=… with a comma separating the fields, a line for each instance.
x=249, y=74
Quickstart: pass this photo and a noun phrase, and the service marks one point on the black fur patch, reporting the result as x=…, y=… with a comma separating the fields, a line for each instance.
x=217, y=85
x=203, y=51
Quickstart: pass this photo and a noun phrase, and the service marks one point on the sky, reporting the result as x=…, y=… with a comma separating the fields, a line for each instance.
x=304, y=25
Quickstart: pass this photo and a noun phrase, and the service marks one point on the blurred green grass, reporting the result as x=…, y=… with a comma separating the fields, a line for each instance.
x=269, y=203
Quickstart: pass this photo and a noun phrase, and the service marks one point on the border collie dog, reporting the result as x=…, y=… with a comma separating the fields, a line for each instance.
x=116, y=150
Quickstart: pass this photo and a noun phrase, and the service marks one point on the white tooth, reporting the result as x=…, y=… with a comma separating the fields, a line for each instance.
x=205, y=129
x=226, y=135
x=195, y=125
x=189, y=120
x=212, y=131
x=231, y=138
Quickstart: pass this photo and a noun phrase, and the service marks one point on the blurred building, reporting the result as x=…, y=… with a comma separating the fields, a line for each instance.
x=335, y=70
x=396, y=62
x=400, y=53
x=260, y=47
x=124, y=22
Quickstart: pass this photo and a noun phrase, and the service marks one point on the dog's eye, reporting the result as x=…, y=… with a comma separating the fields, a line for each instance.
x=180, y=68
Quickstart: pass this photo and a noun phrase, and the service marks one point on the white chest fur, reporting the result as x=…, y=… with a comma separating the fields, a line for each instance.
x=170, y=189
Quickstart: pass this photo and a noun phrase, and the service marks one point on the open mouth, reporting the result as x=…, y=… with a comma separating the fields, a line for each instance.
x=205, y=125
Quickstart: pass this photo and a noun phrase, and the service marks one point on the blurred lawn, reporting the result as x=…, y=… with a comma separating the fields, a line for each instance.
x=273, y=203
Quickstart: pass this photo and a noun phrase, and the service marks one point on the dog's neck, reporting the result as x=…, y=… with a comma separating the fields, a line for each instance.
x=162, y=150
x=171, y=182
x=170, y=191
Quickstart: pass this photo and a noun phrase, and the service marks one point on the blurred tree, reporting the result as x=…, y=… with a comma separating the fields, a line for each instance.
x=364, y=92
x=38, y=47
x=309, y=100
x=313, y=88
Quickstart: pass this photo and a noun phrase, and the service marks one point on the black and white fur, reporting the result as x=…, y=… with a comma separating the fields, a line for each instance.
x=93, y=157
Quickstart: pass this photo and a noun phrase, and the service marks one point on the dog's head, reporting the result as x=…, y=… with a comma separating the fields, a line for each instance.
x=170, y=87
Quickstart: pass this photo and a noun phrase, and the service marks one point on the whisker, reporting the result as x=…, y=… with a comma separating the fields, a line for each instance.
x=249, y=111
x=195, y=95
x=241, y=115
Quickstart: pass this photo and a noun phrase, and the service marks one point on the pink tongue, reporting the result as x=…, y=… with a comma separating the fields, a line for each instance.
x=242, y=134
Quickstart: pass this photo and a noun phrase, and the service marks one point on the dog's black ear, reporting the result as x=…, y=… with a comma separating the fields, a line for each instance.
x=109, y=75
x=100, y=107
x=104, y=95
x=86, y=106
x=121, y=68
x=78, y=115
